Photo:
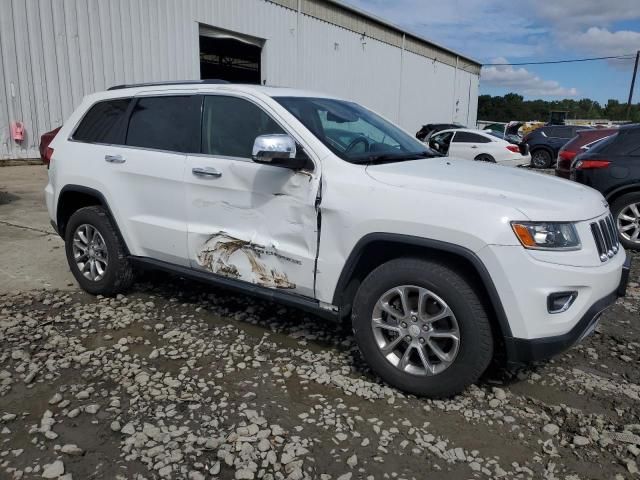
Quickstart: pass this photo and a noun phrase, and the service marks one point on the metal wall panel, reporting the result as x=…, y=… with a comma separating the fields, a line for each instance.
x=433, y=92
x=53, y=52
x=339, y=62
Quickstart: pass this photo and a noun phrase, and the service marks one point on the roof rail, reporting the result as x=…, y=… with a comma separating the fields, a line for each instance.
x=214, y=81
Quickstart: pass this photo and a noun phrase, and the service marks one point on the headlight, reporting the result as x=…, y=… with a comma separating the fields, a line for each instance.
x=547, y=235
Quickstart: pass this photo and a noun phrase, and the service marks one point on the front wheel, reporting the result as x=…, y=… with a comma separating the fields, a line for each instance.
x=95, y=252
x=626, y=211
x=541, y=159
x=422, y=327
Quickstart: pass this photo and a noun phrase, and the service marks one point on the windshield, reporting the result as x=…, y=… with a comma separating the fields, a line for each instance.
x=354, y=133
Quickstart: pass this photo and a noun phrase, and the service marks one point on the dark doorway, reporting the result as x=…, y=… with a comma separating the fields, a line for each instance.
x=229, y=59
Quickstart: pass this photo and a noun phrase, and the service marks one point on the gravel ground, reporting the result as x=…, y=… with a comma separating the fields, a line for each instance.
x=178, y=380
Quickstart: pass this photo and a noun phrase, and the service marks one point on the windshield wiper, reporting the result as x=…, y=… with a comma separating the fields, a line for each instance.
x=394, y=157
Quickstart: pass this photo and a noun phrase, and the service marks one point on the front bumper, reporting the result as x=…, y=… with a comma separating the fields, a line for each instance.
x=521, y=351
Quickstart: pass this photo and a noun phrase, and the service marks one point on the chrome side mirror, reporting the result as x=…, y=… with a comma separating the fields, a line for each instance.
x=273, y=149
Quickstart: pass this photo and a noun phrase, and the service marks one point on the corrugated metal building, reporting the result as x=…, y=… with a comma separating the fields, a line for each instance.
x=53, y=52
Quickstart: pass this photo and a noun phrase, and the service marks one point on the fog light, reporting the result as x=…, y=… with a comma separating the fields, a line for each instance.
x=560, y=301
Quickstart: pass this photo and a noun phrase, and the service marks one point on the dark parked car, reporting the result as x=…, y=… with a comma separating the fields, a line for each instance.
x=545, y=143
x=429, y=129
x=612, y=167
x=583, y=141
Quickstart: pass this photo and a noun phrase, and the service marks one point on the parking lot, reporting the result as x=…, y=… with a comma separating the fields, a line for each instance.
x=180, y=380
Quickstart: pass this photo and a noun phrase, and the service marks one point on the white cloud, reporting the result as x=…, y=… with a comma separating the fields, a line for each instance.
x=528, y=28
x=584, y=13
x=587, y=26
x=602, y=42
x=522, y=81
x=473, y=27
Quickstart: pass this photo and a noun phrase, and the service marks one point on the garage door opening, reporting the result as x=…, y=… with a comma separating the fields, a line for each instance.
x=230, y=57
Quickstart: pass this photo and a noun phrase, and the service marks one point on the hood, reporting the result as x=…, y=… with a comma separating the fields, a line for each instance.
x=538, y=196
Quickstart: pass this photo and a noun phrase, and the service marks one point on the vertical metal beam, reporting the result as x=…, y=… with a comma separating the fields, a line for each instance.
x=633, y=82
x=400, y=85
x=455, y=90
x=298, y=46
x=469, y=105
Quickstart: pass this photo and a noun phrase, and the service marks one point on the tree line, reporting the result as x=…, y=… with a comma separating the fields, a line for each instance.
x=514, y=107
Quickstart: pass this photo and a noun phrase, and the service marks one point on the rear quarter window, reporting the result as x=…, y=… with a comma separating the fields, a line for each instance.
x=105, y=122
x=468, y=137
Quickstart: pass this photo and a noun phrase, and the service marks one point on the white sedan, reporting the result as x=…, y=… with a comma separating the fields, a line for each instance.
x=478, y=145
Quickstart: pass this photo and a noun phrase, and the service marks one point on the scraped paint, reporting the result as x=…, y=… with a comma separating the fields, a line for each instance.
x=217, y=252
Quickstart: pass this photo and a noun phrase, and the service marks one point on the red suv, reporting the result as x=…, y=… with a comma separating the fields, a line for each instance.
x=579, y=144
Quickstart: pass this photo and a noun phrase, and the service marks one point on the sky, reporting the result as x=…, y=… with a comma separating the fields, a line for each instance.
x=516, y=31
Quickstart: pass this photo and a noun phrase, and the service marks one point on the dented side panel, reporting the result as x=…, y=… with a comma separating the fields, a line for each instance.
x=217, y=251
x=255, y=223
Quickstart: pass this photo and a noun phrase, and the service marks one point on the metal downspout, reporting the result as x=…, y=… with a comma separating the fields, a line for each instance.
x=298, y=47
x=399, y=119
x=455, y=90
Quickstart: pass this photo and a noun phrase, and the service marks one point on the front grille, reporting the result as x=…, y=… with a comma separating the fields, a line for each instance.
x=606, y=238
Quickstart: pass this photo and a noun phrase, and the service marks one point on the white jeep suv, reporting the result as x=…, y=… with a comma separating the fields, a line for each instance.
x=320, y=203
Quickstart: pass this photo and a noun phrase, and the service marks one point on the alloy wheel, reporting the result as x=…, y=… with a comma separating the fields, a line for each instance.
x=90, y=252
x=628, y=222
x=540, y=159
x=415, y=330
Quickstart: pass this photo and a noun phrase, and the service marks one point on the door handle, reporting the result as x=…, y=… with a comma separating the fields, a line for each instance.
x=206, y=172
x=474, y=146
x=114, y=159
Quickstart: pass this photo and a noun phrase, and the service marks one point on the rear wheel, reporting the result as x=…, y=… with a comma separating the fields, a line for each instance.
x=626, y=211
x=95, y=253
x=485, y=157
x=422, y=328
x=540, y=158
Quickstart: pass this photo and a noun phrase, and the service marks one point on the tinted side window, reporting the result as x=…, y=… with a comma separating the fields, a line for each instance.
x=230, y=125
x=558, y=132
x=626, y=142
x=567, y=132
x=632, y=144
x=166, y=123
x=467, y=137
x=104, y=122
x=635, y=153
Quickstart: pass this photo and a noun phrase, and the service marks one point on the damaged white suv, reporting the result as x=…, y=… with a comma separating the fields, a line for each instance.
x=440, y=264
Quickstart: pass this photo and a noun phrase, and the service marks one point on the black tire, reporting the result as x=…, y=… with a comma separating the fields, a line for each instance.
x=476, y=341
x=485, y=157
x=618, y=206
x=118, y=274
x=541, y=158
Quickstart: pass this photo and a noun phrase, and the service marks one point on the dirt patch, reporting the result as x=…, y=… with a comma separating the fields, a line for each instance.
x=188, y=380
x=6, y=198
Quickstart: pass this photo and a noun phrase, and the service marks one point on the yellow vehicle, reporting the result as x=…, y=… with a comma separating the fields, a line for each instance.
x=529, y=127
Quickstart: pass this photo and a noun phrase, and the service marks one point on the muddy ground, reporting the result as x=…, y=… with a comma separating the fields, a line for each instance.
x=179, y=380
